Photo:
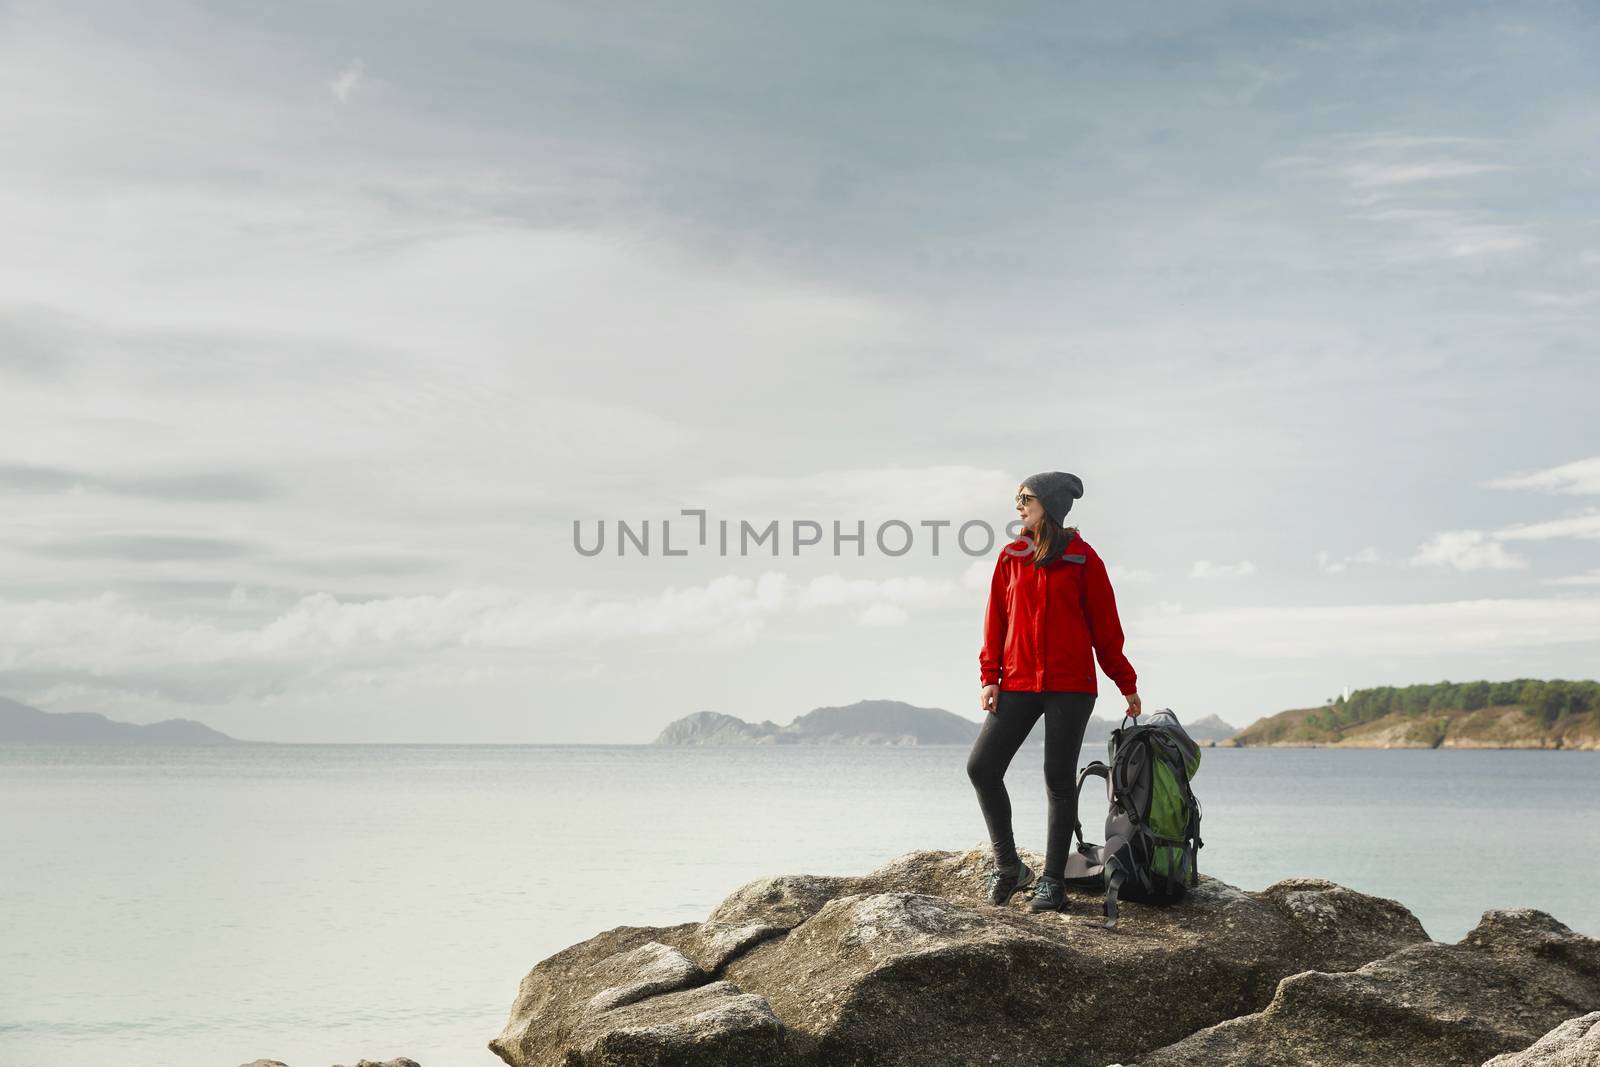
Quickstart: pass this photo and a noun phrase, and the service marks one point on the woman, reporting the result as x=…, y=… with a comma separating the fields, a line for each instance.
x=1050, y=603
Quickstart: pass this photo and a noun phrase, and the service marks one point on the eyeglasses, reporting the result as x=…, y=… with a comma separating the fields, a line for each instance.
x=1023, y=499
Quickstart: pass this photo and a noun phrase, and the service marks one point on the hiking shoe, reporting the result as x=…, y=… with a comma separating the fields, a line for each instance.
x=1048, y=894
x=1004, y=881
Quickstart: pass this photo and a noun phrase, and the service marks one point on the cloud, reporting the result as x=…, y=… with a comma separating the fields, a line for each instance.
x=1207, y=569
x=1474, y=550
x=875, y=493
x=1121, y=574
x=1579, y=478
x=1589, y=577
x=1412, y=187
x=1385, y=141
x=266, y=643
x=143, y=548
x=1378, y=174
x=1466, y=550
x=350, y=564
x=884, y=615
x=1585, y=525
x=1330, y=565
x=345, y=82
x=200, y=485
x=1328, y=632
x=1545, y=298
x=106, y=633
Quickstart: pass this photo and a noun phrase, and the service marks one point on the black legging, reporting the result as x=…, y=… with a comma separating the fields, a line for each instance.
x=1002, y=733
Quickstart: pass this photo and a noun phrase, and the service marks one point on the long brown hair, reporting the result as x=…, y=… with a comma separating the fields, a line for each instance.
x=1050, y=540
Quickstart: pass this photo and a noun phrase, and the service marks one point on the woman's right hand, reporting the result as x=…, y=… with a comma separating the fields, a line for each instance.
x=991, y=693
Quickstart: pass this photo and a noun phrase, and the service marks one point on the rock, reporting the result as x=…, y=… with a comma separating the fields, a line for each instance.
x=760, y=910
x=1514, y=976
x=911, y=965
x=1575, y=1043
x=264, y=1063
x=713, y=1025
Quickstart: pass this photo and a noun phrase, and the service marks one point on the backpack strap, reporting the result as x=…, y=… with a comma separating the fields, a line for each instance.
x=1194, y=834
x=1098, y=770
x=1109, y=908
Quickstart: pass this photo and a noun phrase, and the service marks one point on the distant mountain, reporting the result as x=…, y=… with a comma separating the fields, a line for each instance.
x=1524, y=713
x=21, y=724
x=882, y=722
x=866, y=722
x=715, y=728
x=1210, y=728
x=875, y=722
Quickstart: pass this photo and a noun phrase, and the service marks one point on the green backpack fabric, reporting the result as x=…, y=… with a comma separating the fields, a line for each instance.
x=1153, y=825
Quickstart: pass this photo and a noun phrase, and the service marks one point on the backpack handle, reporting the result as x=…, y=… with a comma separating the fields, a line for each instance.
x=1095, y=768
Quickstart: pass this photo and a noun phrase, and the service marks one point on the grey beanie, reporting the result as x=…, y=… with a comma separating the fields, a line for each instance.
x=1056, y=490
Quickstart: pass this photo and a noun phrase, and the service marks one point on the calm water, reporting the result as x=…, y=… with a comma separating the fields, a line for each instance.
x=196, y=907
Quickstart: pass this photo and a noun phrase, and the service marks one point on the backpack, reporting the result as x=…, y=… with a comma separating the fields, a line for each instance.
x=1153, y=825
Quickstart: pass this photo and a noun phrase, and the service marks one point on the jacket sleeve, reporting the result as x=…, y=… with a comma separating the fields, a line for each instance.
x=992, y=652
x=1105, y=628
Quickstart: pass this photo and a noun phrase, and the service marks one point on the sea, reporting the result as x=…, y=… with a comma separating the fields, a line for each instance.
x=317, y=904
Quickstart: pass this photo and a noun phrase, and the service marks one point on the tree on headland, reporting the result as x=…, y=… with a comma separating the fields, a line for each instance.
x=1555, y=713
x=1545, y=701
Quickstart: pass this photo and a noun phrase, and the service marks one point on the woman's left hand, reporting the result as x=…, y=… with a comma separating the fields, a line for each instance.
x=1133, y=705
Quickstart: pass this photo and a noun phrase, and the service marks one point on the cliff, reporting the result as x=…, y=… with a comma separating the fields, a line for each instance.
x=1504, y=727
x=1525, y=713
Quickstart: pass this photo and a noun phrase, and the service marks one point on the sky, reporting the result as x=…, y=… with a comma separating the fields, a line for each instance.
x=329, y=332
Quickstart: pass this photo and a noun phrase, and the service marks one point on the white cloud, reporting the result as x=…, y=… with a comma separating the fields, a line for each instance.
x=1402, y=140
x=1466, y=550
x=1579, y=478
x=107, y=633
x=884, y=615
x=1379, y=174
x=1476, y=239
x=345, y=83
x=978, y=574
x=1206, y=569
x=1338, y=566
x=1328, y=632
x=912, y=495
x=831, y=590
x=1586, y=525
x=1474, y=550
x=1545, y=298
x=1121, y=574
x=1590, y=577
x=1415, y=189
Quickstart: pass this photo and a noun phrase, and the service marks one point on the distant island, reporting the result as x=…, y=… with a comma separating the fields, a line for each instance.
x=877, y=722
x=21, y=724
x=1525, y=713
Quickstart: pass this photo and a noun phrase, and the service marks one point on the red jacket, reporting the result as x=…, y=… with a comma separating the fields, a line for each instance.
x=1041, y=623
